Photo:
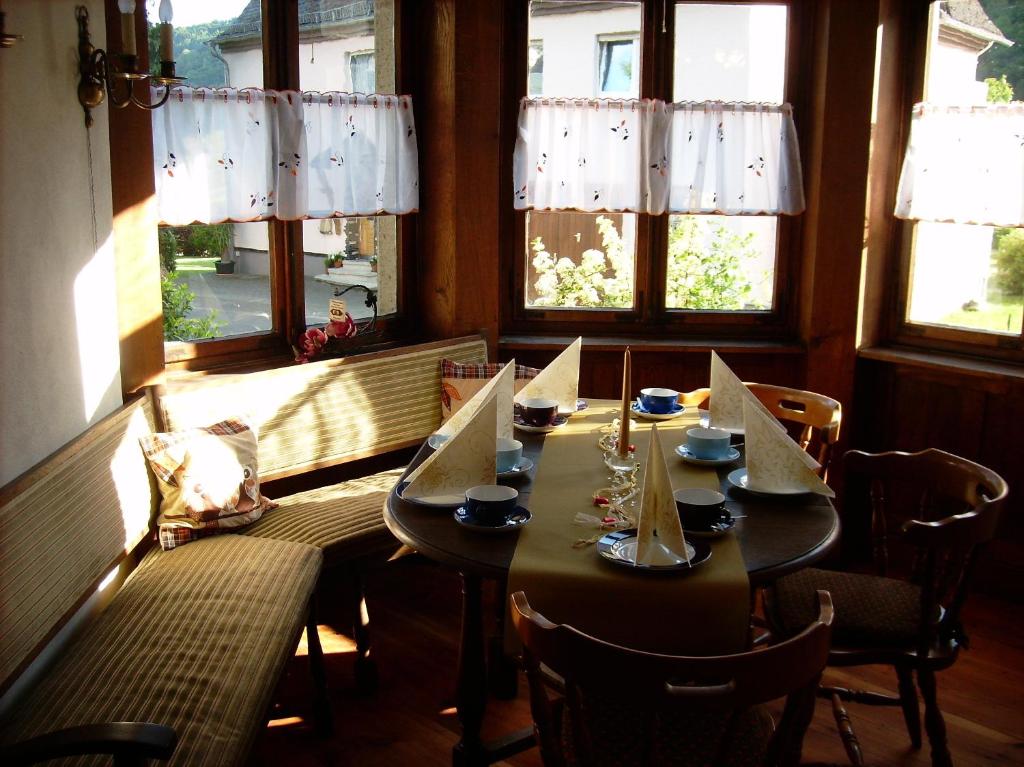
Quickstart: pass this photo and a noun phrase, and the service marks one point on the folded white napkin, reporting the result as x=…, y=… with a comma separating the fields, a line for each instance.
x=775, y=463
x=559, y=381
x=464, y=460
x=501, y=386
x=659, y=536
x=728, y=393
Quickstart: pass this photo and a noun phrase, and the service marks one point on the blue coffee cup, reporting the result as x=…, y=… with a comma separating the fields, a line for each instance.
x=491, y=504
x=509, y=453
x=707, y=442
x=659, y=401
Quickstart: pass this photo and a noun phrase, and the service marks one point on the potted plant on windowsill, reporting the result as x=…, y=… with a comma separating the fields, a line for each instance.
x=373, y=263
x=334, y=262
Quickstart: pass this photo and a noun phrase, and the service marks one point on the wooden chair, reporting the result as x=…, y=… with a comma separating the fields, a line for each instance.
x=621, y=706
x=912, y=624
x=815, y=418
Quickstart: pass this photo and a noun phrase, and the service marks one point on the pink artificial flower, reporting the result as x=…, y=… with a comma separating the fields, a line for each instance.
x=344, y=328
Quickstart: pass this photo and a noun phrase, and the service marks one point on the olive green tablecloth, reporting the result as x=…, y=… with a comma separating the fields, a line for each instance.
x=705, y=611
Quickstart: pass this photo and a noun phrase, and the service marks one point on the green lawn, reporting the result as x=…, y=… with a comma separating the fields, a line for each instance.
x=196, y=264
x=995, y=317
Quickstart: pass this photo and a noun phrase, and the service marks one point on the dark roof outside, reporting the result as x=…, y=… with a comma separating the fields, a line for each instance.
x=971, y=13
x=312, y=13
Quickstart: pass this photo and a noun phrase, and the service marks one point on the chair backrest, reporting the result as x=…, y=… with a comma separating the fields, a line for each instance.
x=653, y=687
x=950, y=509
x=815, y=419
x=327, y=412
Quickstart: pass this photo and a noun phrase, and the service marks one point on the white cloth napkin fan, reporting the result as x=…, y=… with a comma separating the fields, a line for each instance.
x=558, y=381
x=659, y=535
x=775, y=463
x=468, y=457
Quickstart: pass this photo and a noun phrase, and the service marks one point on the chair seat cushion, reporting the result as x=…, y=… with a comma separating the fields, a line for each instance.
x=870, y=610
x=345, y=520
x=196, y=639
x=683, y=738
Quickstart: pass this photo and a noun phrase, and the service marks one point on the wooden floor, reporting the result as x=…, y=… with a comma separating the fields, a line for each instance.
x=411, y=720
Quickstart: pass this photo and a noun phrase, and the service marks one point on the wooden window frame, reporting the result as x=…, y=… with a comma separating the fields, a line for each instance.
x=648, y=317
x=896, y=328
x=280, y=29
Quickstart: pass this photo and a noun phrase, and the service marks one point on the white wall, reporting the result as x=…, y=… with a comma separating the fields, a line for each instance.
x=60, y=366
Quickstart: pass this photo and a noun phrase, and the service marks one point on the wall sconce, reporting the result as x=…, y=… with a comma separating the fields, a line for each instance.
x=6, y=40
x=104, y=73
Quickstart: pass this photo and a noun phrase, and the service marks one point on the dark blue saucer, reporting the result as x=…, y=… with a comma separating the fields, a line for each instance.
x=511, y=521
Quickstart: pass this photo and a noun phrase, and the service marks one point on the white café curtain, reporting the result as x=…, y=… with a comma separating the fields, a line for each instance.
x=647, y=156
x=964, y=165
x=248, y=155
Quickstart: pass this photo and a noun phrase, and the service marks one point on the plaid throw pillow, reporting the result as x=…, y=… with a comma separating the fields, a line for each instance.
x=460, y=382
x=208, y=480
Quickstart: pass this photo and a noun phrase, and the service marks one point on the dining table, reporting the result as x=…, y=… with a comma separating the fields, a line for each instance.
x=776, y=535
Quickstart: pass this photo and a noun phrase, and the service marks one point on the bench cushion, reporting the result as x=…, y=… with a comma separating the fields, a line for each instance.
x=345, y=520
x=196, y=639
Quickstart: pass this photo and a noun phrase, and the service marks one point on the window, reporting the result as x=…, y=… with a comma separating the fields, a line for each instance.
x=535, y=63
x=361, y=70
x=618, y=67
x=237, y=287
x=698, y=271
x=962, y=283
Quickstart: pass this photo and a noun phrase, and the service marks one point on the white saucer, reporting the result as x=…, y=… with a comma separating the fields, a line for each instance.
x=559, y=422
x=641, y=411
x=705, y=419
x=521, y=468
x=738, y=478
x=581, y=405
x=683, y=451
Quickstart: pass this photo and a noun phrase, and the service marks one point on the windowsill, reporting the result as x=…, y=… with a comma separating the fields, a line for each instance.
x=937, y=361
x=638, y=344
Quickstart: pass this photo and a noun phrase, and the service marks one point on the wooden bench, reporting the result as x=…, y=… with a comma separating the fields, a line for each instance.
x=195, y=640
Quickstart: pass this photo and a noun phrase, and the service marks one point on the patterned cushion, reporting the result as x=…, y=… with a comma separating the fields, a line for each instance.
x=208, y=480
x=684, y=738
x=195, y=640
x=460, y=382
x=344, y=520
x=870, y=610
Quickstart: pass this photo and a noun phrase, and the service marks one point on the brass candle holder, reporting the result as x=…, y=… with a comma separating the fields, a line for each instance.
x=116, y=75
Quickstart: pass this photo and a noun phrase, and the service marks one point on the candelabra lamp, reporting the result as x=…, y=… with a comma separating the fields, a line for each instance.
x=117, y=74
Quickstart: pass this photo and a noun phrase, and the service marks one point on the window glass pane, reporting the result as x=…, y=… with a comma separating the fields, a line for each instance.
x=585, y=50
x=215, y=280
x=961, y=275
x=580, y=260
x=216, y=42
x=720, y=262
x=725, y=53
x=349, y=48
x=729, y=52
x=588, y=49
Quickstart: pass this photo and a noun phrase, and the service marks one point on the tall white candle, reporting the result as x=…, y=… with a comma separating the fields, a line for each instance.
x=623, y=443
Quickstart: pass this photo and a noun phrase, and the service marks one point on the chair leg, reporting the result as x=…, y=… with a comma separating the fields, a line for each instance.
x=323, y=721
x=908, y=701
x=933, y=722
x=365, y=666
x=845, y=727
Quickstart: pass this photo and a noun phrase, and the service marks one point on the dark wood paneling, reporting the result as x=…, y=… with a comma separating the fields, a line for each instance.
x=601, y=369
x=910, y=407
